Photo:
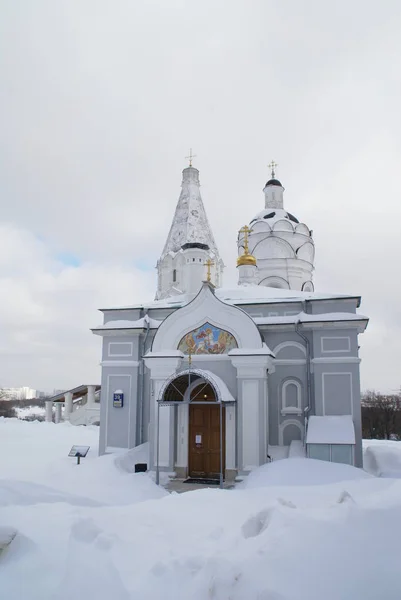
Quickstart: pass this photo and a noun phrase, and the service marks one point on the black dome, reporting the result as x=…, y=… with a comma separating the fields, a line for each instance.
x=292, y=218
x=273, y=182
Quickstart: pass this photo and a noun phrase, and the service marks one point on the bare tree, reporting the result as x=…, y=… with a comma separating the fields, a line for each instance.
x=381, y=415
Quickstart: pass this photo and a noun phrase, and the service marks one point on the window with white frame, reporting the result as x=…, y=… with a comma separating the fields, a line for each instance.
x=291, y=398
x=338, y=453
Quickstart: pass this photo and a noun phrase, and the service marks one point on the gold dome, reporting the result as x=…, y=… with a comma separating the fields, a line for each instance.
x=246, y=259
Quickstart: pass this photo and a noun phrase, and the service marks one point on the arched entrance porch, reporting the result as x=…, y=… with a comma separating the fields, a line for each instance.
x=204, y=439
x=199, y=398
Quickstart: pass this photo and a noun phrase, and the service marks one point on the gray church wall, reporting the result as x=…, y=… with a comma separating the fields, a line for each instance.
x=318, y=307
x=337, y=392
x=146, y=407
x=288, y=378
x=334, y=343
x=120, y=423
x=222, y=367
x=129, y=314
x=120, y=348
x=279, y=414
x=272, y=309
x=161, y=313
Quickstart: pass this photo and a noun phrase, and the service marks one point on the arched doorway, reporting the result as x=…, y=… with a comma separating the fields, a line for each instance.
x=204, y=433
x=202, y=404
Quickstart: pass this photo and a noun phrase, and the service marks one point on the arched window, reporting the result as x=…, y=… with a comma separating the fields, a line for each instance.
x=174, y=275
x=289, y=431
x=291, y=398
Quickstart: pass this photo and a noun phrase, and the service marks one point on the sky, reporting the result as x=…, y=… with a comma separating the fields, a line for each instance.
x=100, y=102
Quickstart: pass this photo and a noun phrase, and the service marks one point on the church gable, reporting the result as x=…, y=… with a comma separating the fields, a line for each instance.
x=207, y=325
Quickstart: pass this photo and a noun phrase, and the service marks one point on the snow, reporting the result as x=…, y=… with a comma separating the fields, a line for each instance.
x=296, y=530
x=309, y=318
x=278, y=320
x=296, y=449
x=301, y=471
x=41, y=459
x=382, y=458
x=239, y=294
x=331, y=430
x=127, y=324
x=190, y=223
x=7, y=534
x=29, y=411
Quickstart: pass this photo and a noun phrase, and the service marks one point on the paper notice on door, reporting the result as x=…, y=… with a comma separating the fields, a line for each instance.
x=198, y=439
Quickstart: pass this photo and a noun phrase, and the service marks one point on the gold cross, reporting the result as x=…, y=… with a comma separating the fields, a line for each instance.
x=209, y=263
x=190, y=157
x=246, y=231
x=272, y=166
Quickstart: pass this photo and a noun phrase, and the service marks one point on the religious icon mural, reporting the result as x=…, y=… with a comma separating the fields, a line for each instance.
x=207, y=339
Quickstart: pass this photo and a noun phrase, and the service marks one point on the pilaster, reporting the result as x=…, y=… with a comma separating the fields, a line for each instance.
x=161, y=368
x=252, y=408
x=67, y=406
x=57, y=416
x=49, y=411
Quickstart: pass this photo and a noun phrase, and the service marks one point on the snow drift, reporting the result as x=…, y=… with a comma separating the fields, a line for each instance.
x=284, y=536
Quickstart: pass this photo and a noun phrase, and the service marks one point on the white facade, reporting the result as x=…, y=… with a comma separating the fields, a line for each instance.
x=190, y=244
x=283, y=247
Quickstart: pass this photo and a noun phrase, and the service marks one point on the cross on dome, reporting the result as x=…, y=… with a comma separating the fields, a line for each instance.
x=246, y=259
x=190, y=157
x=209, y=264
x=272, y=166
x=246, y=231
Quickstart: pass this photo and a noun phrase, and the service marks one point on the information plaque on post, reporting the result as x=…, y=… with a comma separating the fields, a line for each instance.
x=79, y=452
x=118, y=399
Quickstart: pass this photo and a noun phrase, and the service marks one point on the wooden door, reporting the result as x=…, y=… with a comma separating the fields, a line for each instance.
x=204, y=440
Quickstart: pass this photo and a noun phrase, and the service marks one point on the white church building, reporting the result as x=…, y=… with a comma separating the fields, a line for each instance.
x=220, y=380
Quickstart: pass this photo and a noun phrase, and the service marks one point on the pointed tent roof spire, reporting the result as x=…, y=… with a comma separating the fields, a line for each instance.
x=190, y=224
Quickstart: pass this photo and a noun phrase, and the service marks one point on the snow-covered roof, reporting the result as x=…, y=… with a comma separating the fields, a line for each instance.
x=331, y=430
x=273, y=215
x=190, y=224
x=308, y=318
x=240, y=294
x=126, y=324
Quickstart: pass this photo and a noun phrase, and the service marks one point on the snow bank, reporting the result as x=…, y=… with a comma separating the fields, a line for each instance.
x=127, y=460
x=30, y=412
x=301, y=471
x=255, y=543
x=382, y=458
x=40, y=458
x=7, y=534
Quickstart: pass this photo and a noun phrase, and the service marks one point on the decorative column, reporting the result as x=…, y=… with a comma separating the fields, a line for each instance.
x=231, y=462
x=67, y=405
x=91, y=395
x=252, y=407
x=49, y=411
x=57, y=417
x=161, y=368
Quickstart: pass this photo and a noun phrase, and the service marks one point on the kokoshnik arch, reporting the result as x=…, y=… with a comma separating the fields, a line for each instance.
x=265, y=368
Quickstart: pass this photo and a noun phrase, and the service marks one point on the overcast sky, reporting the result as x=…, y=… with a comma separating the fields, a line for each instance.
x=100, y=102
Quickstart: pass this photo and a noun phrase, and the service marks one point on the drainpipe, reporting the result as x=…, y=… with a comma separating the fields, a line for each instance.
x=308, y=371
x=142, y=378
